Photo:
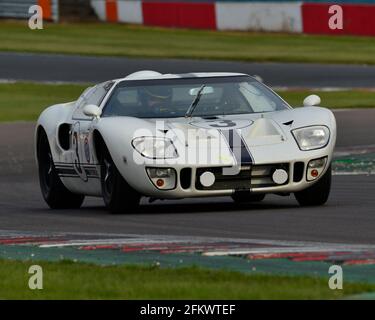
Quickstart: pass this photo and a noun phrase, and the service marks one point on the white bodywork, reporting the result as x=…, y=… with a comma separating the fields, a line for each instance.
x=267, y=136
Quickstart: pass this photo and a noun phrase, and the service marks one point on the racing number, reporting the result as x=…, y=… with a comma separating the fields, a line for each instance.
x=77, y=163
x=223, y=124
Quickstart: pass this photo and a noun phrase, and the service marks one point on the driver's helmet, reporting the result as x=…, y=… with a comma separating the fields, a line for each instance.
x=156, y=97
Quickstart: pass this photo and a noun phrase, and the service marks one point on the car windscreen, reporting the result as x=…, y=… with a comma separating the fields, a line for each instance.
x=213, y=96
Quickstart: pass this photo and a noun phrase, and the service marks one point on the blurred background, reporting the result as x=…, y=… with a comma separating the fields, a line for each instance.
x=296, y=47
x=310, y=17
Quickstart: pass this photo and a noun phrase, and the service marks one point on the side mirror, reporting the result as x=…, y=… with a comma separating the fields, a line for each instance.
x=92, y=110
x=312, y=100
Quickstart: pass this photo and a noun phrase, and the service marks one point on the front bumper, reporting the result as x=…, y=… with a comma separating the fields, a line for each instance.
x=256, y=178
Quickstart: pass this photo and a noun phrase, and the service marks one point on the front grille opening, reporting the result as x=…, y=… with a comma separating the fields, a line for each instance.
x=240, y=181
x=299, y=168
x=185, y=178
x=255, y=176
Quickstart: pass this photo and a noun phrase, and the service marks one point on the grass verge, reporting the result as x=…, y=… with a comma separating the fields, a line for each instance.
x=137, y=41
x=69, y=280
x=25, y=101
x=333, y=99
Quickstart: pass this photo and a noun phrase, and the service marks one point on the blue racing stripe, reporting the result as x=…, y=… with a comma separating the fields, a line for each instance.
x=237, y=146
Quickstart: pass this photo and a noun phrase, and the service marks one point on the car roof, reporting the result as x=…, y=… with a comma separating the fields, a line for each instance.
x=153, y=75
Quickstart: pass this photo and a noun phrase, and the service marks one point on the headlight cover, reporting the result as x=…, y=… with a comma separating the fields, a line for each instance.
x=155, y=147
x=311, y=138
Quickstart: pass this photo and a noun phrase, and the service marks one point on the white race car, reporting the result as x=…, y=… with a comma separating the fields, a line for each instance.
x=173, y=136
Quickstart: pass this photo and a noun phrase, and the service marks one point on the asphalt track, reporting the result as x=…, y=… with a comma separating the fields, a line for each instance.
x=44, y=67
x=348, y=217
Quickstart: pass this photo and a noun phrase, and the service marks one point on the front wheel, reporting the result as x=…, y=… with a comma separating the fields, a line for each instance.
x=54, y=192
x=118, y=196
x=318, y=193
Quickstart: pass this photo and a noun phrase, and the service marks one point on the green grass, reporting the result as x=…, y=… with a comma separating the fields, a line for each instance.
x=333, y=99
x=25, y=101
x=68, y=280
x=137, y=41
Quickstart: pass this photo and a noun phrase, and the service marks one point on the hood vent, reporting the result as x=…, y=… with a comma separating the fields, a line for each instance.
x=264, y=131
x=263, y=127
x=210, y=118
x=165, y=131
x=289, y=123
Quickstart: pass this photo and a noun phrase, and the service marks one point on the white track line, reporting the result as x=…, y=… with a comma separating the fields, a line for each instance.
x=272, y=246
x=359, y=173
x=285, y=250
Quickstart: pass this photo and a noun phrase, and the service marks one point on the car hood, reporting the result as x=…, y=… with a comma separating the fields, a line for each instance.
x=257, y=132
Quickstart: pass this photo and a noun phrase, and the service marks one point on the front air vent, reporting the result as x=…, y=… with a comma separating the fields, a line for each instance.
x=210, y=118
x=298, y=171
x=64, y=136
x=185, y=178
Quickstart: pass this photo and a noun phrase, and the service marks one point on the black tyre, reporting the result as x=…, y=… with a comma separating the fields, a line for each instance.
x=118, y=196
x=246, y=196
x=318, y=193
x=54, y=192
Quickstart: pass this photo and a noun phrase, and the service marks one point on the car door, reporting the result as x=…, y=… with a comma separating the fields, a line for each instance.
x=82, y=146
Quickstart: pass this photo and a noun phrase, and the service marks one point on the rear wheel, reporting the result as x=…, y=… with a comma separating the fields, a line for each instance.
x=318, y=193
x=54, y=192
x=118, y=196
x=247, y=196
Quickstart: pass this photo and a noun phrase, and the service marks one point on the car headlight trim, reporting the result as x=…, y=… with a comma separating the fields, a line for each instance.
x=162, y=178
x=155, y=147
x=312, y=137
x=315, y=168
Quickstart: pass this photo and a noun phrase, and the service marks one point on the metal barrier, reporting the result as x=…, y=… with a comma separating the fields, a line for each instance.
x=19, y=9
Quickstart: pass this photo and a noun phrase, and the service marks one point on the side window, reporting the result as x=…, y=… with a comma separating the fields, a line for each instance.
x=82, y=99
x=94, y=95
x=259, y=102
x=100, y=92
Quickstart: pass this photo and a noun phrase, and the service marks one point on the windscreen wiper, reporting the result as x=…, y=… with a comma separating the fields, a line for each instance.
x=195, y=102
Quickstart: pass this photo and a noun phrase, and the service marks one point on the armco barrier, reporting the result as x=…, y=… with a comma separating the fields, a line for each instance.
x=268, y=15
x=20, y=9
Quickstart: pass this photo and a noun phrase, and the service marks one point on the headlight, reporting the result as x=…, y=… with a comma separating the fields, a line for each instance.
x=155, y=148
x=310, y=138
